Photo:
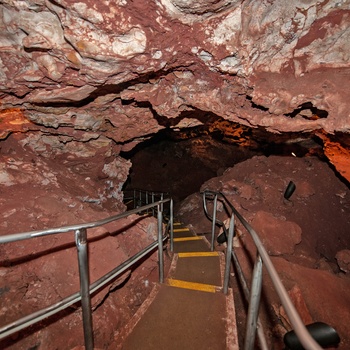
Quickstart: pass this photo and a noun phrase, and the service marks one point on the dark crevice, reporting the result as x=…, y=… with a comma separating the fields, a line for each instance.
x=308, y=111
x=105, y=90
x=202, y=116
x=255, y=106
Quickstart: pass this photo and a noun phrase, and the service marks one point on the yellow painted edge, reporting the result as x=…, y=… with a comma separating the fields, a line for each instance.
x=184, y=239
x=177, y=223
x=197, y=254
x=181, y=229
x=192, y=285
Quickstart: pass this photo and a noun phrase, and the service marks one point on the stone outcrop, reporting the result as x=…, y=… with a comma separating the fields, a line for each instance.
x=271, y=230
x=343, y=260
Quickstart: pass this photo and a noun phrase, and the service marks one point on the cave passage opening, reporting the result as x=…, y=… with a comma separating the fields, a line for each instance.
x=178, y=162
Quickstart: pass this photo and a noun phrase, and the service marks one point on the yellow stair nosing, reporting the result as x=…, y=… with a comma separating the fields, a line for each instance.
x=192, y=285
x=184, y=239
x=197, y=254
x=181, y=229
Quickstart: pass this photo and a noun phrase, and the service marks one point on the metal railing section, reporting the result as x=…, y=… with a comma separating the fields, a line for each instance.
x=253, y=295
x=136, y=198
x=84, y=295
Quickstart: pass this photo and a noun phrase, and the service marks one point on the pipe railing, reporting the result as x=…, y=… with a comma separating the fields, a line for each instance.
x=137, y=198
x=86, y=290
x=263, y=259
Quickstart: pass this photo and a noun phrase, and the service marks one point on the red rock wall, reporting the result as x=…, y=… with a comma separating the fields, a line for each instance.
x=107, y=67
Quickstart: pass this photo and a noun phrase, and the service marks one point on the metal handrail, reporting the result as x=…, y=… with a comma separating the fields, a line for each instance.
x=85, y=288
x=139, y=197
x=262, y=258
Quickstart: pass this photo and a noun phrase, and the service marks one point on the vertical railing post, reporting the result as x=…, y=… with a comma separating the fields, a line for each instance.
x=213, y=223
x=171, y=225
x=82, y=248
x=135, y=204
x=254, y=302
x=229, y=253
x=160, y=245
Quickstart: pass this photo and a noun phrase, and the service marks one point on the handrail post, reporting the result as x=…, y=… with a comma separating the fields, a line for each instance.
x=229, y=253
x=82, y=248
x=214, y=222
x=171, y=225
x=254, y=302
x=160, y=245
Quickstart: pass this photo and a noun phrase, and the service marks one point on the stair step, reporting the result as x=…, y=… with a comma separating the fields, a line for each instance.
x=185, y=239
x=185, y=229
x=197, y=254
x=192, y=285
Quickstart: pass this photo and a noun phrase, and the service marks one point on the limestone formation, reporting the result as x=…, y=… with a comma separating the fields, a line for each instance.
x=144, y=63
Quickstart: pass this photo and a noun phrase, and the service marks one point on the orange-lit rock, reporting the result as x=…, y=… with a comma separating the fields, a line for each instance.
x=13, y=120
x=339, y=156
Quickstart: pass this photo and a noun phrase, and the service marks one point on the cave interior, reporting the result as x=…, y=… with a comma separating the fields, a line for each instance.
x=98, y=98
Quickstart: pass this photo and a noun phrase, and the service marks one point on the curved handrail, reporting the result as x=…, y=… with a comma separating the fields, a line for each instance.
x=302, y=333
x=40, y=233
x=85, y=288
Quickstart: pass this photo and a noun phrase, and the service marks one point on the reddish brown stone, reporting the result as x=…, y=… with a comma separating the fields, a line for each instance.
x=343, y=260
x=278, y=236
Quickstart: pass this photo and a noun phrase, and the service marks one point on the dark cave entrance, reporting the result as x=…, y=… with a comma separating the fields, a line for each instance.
x=179, y=162
x=180, y=167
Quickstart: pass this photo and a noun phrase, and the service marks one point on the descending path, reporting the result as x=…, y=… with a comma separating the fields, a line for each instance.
x=189, y=311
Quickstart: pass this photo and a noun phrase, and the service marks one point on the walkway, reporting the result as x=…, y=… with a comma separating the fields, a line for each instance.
x=189, y=311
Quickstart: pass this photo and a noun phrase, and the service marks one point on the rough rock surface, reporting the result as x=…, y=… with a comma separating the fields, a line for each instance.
x=343, y=260
x=272, y=228
x=125, y=70
x=305, y=235
x=54, y=188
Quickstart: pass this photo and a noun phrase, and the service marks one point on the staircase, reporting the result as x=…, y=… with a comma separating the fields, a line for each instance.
x=193, y=308
x=189, y=311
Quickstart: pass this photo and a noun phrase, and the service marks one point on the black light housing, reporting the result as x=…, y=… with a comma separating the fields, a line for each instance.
x=289, y=190
x=324, y=335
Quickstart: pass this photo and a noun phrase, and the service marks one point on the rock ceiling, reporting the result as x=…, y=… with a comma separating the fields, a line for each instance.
x=119, y=71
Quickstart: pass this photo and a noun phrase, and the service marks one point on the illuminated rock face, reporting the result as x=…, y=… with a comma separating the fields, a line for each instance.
x=254, y=62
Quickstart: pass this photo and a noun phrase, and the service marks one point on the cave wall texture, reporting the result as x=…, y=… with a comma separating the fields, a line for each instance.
x=112, y=73
x=82, y=81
